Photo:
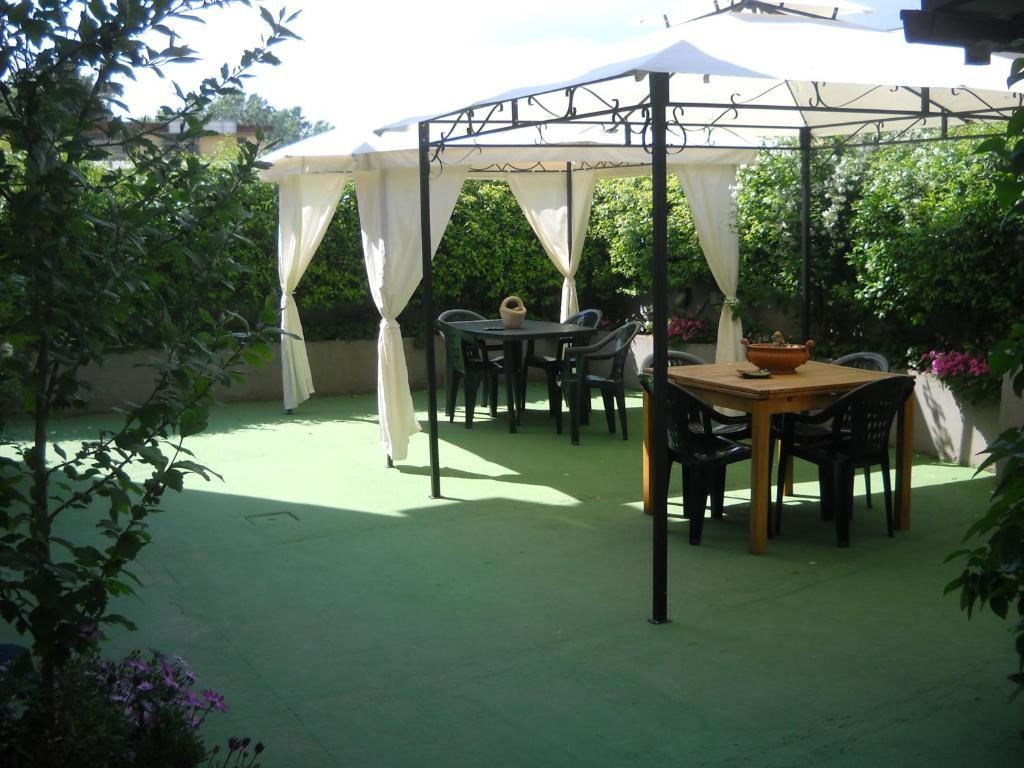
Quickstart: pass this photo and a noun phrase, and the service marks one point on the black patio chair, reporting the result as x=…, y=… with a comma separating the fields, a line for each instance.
x=588, y=318
x=859, y=437
x=868, y=361
x=577, y=379
x=455, y=316
x=733, y=427
x=702, y=454
x=675, y=357
x=466, y=358
x=808, y=433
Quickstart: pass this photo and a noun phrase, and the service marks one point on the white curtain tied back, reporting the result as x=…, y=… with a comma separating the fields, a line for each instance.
x=542, y=196
x=708, y=190
x=388, y=202
x=306, y=204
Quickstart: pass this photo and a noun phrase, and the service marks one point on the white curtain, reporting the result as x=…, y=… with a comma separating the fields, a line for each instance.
x=306, y=204
x=542, y=196
x=708, y=190
x=389, y=215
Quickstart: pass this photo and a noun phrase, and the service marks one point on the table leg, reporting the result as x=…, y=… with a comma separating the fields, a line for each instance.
x=904, y=463
x=761, y=422
x=648, y=415
x=511, y=366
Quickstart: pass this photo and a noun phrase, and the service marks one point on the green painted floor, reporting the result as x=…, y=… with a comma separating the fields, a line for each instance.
x=352, y=621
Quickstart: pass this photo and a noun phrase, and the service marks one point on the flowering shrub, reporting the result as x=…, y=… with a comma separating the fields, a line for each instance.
x=134, y=712
x=688, y=330
x=968, y=376
x=142, y=689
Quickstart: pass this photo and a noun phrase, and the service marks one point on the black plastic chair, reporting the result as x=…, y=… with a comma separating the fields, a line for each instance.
x=552, y=366
x=859, y=437
x=703, y=455
x=868, y=361
x=675, y=357
x=577, y=379
x=455, y=316
x=466, y=358
x=733, y=427
x=809, y=433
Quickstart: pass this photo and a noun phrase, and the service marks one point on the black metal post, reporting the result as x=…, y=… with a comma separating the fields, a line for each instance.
x=428, y=308
x=805, y=234
x=659, y=294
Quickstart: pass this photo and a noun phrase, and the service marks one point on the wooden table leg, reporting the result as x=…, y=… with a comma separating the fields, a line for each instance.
x=905, y=464
x=648, y=416
x=761, y=423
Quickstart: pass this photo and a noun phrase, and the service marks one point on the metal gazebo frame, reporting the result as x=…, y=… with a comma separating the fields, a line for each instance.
x=657, y=123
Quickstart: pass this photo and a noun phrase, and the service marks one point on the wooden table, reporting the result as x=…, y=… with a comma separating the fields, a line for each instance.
x=512, y=340
x=813, y=386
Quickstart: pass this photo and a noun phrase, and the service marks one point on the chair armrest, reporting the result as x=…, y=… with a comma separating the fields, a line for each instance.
x=721, y=418
x=587, y=351
x=811, y=418
x=592, y=351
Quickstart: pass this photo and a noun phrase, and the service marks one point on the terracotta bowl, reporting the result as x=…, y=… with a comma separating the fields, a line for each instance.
x=784, y=359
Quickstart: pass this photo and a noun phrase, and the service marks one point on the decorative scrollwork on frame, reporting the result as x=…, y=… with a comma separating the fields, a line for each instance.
x=612, y=105
x=1003, y=112
x=919, y=122
x=816, y=100
x=675, y=127
x=482, y=125
x=534, y=101
x=539, y=167
x=733, y=99
x=858, y=97
x=646, y=114
x=570, y=110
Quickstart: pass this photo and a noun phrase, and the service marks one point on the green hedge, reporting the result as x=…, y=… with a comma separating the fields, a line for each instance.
x=910, y=251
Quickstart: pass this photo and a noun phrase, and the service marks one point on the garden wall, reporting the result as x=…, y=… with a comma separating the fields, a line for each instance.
x=943, y=425
x=338, y=368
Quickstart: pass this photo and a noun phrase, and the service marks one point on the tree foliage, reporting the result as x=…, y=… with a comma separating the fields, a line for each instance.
x=993, y=573
x=899, y=235
x=93, y=256
x=931, y=248
x=282, y=126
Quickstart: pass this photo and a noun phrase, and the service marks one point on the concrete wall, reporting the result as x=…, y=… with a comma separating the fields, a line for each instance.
x=338, y=368
x=943, y=427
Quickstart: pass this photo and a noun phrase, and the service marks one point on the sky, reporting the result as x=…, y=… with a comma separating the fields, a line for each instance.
x=361, y=64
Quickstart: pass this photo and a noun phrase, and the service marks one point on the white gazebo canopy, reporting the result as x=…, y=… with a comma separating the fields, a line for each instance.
x=780, y=73
x=733, y=79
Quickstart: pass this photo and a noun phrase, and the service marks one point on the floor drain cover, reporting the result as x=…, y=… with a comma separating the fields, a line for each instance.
x=266, y=518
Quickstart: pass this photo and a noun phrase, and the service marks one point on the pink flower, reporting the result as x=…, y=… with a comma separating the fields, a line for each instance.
x=686, y=328
x=946, y=365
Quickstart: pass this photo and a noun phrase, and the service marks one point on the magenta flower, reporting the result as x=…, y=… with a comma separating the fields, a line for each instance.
x=966, y=373
x=686, y=329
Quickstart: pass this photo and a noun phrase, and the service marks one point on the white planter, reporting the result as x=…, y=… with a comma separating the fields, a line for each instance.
x=948, y=428
x=643, y=345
